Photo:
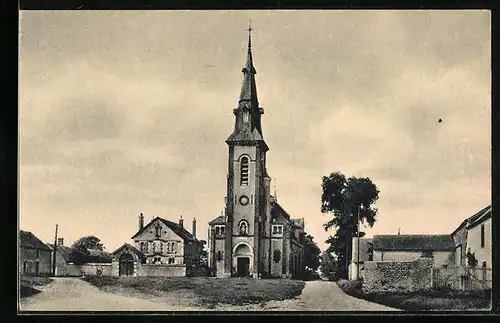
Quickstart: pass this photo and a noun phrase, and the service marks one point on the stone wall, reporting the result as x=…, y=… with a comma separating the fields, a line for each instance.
x=159, y=270
x=397, y=275
x=91, y=268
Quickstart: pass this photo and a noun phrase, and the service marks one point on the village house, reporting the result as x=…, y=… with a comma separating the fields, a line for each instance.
x=474, y=235
x=34, y=255
x=255, y=236
x=471, y=240
x=161, y=248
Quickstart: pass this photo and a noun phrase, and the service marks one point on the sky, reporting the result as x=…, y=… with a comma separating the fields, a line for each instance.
x=122, y=112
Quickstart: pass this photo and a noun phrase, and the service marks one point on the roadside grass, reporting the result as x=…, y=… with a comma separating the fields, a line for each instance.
x=433, y=300
x=29, y=283
x=204, y=291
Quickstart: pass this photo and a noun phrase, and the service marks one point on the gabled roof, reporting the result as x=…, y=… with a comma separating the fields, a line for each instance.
x=131, y=248
x=29, y=240
x=413, y=242
x=180, y=231
x=277, y=211
x=64, y=251
x=480, y=216
x=217, y=220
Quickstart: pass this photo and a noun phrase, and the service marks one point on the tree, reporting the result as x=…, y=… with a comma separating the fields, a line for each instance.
x=328, y=263
x=89, y=242
x=311, y=253
x=343, y=199
x=79, y=255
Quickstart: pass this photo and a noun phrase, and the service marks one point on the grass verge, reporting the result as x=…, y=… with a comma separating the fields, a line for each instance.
x=421, y=300
x=29, y=284
x=205, y=291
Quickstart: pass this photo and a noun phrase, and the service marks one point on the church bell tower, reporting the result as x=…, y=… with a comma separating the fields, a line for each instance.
x=246, y=197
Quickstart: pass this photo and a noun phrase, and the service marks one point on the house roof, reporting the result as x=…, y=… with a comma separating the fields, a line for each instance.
x=413, y=242
x=480, y=216
x=131, y=248
x=64, y=251
x=29, y=240
x=180, y=231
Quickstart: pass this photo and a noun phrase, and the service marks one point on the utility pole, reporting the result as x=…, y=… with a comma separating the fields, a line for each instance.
x=54, y=255
x=357, y=275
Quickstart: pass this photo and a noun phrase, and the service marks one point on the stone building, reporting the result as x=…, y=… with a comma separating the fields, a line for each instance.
x=255, y=236
x=474, y=235
x=34, y=255
x=161, y=248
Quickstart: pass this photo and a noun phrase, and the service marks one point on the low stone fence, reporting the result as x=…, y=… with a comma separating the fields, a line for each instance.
x=158, y=270
x=68, y=270
x=398, y=275
x=92, y=268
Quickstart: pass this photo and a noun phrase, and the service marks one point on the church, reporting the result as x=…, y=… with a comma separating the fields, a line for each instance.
x=255, y=236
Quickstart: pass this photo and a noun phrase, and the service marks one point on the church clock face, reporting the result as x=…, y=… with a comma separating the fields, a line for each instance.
x=244, y=200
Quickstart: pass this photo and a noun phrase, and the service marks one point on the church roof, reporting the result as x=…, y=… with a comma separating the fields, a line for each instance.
x=177, y=228
x=217, y=220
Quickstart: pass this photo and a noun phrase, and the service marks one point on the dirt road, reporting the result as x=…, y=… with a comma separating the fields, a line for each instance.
x=73, y=294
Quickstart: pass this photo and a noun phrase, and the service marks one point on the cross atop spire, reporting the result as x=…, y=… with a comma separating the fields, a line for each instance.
x=250, y=34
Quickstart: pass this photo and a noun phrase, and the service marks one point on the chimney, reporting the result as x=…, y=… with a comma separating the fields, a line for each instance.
x=181, y=222
x=194, y=227
x=141, y=221
x=60, y=241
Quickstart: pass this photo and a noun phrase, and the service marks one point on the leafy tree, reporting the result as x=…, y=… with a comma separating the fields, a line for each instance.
x=342, y=198
x=328, y=263
x=79, y=255
x=89, y=242
x=311, y=253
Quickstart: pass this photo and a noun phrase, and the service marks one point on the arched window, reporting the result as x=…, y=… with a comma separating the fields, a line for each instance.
x=244, y=171
x=219, y=255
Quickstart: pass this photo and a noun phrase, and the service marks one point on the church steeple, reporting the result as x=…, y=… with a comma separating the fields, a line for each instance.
x=248, y=88
x=248, y=126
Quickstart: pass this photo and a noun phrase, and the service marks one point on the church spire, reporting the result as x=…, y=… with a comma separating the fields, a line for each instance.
x=248, y=126
x=248, y=88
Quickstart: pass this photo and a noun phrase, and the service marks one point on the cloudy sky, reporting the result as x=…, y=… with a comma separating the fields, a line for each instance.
x=127, y=112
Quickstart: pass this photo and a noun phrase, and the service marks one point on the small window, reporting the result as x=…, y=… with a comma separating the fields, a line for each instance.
x=171, y=261
x=482, y=235
x=219, y=255
x=38, y=253
x=277, y=229
x=157, y=260
x=158, y=230
x=244, y=171
x=219, y=230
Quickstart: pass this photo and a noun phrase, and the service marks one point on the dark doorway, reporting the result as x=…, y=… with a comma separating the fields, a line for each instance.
x=37, y=268
x=126, y=265
x=243, y=267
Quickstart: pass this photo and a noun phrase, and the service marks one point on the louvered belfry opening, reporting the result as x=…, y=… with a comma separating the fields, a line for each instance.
x=244, y=171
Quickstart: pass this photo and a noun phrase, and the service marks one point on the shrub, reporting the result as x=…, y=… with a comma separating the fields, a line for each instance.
x=350, y=287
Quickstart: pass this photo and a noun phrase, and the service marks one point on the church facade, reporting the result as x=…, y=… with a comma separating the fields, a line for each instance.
x=255, y=236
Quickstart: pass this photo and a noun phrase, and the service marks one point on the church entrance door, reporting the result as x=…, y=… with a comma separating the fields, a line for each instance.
x=126, y=265
x=243, y=267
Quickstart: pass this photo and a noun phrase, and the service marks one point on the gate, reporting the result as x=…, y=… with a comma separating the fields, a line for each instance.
x=462, y=278
x=126, y=265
